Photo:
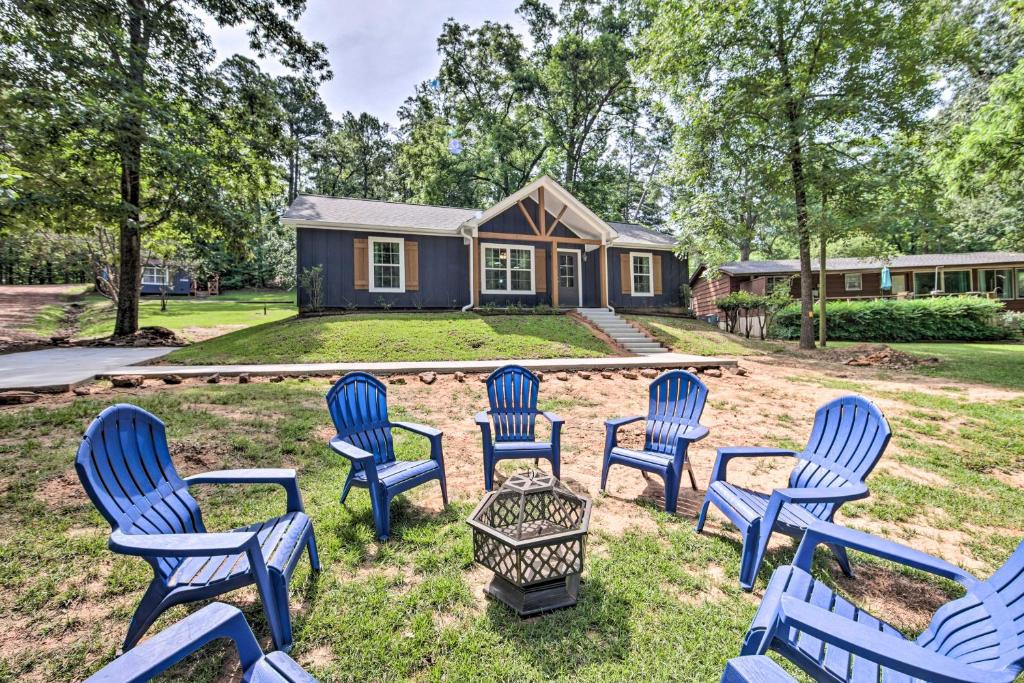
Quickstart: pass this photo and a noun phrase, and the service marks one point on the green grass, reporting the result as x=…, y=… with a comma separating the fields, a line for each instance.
x=999, y=364
x=685, y=335
x=399, y=337
x=50, y=318
x=232, y=308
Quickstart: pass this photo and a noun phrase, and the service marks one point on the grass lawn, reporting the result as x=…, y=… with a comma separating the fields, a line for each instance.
x=399, y=337
x=193, y=317
x=50, y=317
x=685, y=335
x=999, y=364
x=658, y=603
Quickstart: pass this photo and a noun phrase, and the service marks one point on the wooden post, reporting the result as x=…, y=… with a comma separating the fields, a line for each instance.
x=554, y=269
x=543, y=213
x=603, y=274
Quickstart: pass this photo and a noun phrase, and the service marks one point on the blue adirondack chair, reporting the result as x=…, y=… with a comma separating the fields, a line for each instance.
x=848, y=437
x=180, y=640
x=754, y=669
x=126, y=469
x=673, y=422
x=358, y=403
x=973, y=639
x=512, y=393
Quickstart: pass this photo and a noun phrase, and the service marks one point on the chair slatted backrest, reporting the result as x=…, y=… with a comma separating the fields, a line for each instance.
x=848, y=438
x=676, y=402
x=985, y=627
x=512, y=393
x=359, y=407
x=125, y=466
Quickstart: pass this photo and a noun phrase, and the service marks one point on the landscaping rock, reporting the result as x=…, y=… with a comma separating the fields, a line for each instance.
x=213, y=379
x=540, y=376
x=742, y=372
x=607, y=374
x=303, y=378
x=649, y=373
x=713, y=372
x=460, y=377
x=81, y=391
x=127, y=381
x=14, y=398
x=244, y=378
x=428, y=377
x=396, y=380
x=277, y=378
x=583, y=374
x=562, y=377
x=629, y=374
x=482, y=378
x=171, y=379
x=693, y=370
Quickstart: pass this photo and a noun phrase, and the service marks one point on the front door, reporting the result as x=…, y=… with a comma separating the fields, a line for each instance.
x=568, y=279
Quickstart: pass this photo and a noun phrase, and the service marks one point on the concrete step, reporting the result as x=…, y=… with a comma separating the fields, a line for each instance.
x=643, y=348
x=624, y=334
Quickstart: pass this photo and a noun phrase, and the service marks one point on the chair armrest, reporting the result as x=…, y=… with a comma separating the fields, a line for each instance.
x=823, y=495
x=482, y=418
x=284, y=478
x=617, y=422
x=347, y=450
x=181, y=545
x=422, y=430
x=754, y=669
x=553, y=418
x=728, y=453
x=833, y=534
x=869, y=643
x=178, y=641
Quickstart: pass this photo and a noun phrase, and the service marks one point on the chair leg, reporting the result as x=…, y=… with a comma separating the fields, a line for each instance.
x=381, y=504
x=689, y=471
x=145, y=614
x=488, y=473
x=278, y=612
x=671, y=491
x=703, y=514
x=842, y=558
x=604, y=472
x=536, y=462
x=444, y=489
x=314, y=556
x=348, y=485
x=750, y=562
x=556, y=467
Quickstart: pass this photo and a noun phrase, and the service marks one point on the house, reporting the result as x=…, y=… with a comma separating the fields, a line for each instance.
x=997, y=274
x=538, y=246
x=169, y=278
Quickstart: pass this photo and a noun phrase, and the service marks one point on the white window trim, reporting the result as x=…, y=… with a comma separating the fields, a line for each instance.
x=860, y=282
x=1012, y=283
x=484, y=246
x=166, y=273
x=579, y=273
x=632, y=275
x=401, y=262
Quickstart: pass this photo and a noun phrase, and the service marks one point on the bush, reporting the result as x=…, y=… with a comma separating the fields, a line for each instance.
x=1013, y=321
x=886, y=320
x=759, y=309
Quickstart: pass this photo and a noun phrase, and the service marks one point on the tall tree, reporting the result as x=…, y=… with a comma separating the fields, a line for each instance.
x=355, y=160
x=133, y=74
x=810, y=73
x=306, y=120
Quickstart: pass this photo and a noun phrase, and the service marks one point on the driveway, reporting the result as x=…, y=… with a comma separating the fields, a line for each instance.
x=61, y=369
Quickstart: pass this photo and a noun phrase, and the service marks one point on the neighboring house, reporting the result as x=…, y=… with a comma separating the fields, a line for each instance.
x=157, y=277
x=996, y=274
x=538, y=246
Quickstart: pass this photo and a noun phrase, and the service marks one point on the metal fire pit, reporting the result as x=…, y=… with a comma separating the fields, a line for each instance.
x=531, y=533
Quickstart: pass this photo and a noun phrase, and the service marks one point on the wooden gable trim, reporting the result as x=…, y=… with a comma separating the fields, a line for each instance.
x=542, y=214
x=558, y=219
x=529, y=218
x=513, y=237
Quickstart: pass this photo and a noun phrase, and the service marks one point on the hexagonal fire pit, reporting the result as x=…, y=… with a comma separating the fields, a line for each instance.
x=531, y=533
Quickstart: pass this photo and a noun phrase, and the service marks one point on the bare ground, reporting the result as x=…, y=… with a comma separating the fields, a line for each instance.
x=19, y=306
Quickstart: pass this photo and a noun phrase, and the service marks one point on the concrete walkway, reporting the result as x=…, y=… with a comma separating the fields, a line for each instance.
x=664, y=360
x=61, y=369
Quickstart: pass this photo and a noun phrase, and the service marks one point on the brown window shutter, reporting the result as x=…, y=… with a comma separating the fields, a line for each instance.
x=360, y=263
x=627, y=285
x=656, y=260
x=412, y=266
x=540, y=271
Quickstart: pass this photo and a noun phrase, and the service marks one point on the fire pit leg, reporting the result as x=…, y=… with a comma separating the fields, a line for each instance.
x=537, y=598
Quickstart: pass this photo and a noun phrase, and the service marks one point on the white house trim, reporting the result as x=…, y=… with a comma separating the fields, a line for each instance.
x=484, y=246
x=579, y=273
x=370, y=241
x=632, y=273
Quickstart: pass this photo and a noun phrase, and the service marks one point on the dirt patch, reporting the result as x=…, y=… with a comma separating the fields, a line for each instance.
x=193, y=457
x=874, y=355
x=198, y=334
x=900, y=600
x=20, y=305
x=153, y=335
x=915, y=474
x=62, y=492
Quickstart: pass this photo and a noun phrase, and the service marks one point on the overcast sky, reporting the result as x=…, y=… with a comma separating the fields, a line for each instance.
x=378, y=49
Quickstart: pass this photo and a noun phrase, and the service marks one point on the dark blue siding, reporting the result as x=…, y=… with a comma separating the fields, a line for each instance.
x=443, y=270
x=673, y=274
x=512, y=221
x=181, y=283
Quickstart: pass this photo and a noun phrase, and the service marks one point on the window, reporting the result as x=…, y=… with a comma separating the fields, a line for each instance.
x=508, y=270
x=155, y=275
x=642, y=274
x=998, y=282
x=956, y=281
x=924, y=283
x=387, y=264
x=567, y=271
x=854, y=282
x=1020, y=283
x=773, y=281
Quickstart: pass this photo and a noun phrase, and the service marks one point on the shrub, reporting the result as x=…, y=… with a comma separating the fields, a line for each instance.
x=1013, y=321
x=312, y=280
x=886, y=320
x=754, y=309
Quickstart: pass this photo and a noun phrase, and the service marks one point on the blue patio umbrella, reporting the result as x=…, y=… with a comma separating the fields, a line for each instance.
x=886, y=278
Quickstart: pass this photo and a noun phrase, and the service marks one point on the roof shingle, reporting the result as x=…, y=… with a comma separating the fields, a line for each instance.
x=787, y=266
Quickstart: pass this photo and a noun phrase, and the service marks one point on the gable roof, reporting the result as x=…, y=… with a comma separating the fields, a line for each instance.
x=792, y=266
x=358, y=213
x=634, y=234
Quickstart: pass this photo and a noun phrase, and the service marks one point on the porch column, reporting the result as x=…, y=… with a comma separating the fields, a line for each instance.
x=554, y=273
x=603, y=274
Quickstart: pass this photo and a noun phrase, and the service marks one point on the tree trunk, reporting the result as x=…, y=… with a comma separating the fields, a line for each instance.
x=822, y=293
x=796, y=164
x=745, y=249
x=130, y=247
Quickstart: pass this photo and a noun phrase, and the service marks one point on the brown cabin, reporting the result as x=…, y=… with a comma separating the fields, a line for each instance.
x=993, y=274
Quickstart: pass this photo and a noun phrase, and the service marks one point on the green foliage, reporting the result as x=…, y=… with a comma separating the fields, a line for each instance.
x=933, y=319
x=759, y=309
x=311, y=281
